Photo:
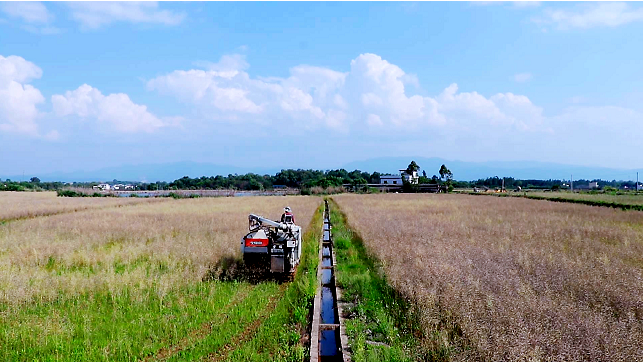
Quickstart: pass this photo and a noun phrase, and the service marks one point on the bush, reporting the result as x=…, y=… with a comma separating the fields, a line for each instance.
x=68, y=193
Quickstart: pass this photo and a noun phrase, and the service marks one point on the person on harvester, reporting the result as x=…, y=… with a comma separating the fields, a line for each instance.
x=287, y=216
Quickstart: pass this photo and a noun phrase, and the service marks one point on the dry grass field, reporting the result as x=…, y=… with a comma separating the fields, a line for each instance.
x=20, y=205
x=122, y=282
x=511, y=278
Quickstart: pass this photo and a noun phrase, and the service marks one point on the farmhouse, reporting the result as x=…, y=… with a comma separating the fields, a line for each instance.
x=412, y=178
x=102, y=187
x=391, y=180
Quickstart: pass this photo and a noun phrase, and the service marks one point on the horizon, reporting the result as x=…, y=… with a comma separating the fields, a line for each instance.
x=90, y=86
x=384, y=166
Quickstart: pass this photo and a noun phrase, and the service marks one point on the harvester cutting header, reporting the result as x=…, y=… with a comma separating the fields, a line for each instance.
x=272, y=244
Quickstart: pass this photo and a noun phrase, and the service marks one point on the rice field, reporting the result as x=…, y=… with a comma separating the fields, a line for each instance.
x=21, y=205
x=625, y=199
x=94, y=281
x=511, y=278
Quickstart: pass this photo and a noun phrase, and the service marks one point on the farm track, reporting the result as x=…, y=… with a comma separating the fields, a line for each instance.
x=201, y=332
x=73, y=211
x=222, y=353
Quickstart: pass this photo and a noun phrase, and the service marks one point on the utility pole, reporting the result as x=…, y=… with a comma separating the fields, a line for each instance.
x=637, y=181
x=572, y=182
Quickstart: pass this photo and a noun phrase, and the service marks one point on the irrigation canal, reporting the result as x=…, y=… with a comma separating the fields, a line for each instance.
x=328, y=335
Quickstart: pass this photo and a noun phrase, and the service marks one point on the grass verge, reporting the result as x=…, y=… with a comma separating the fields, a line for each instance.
x=380, y=323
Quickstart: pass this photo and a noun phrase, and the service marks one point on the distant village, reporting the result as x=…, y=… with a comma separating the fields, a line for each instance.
x=116, y=187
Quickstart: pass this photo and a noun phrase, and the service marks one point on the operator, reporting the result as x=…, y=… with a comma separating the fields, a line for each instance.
x=287, y=212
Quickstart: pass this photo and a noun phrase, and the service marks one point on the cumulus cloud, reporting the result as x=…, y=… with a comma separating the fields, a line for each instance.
x=226, y=91
x=117, y=110
x=18, y=100
x=30, y=12
x=610, y=14
x=93, y=15
x=372, y=94
x=522, y=77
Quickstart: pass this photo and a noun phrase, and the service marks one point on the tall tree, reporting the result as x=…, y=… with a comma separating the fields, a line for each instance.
x=413, y=167
x=445, y=173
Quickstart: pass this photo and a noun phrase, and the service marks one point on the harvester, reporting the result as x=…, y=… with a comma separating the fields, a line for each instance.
x=271, y=244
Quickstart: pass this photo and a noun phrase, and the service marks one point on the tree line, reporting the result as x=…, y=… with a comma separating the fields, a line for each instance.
x=306, y=179
x=32, y=185
x=301, y=179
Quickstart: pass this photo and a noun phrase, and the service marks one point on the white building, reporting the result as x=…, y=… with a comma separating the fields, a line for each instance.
x=104, y=187
x=391, y=180
x=411, y=178
x=593, y=185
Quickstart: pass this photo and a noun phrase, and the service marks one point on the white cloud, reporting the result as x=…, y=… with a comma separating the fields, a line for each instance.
x=371, y=95
x=30, y=12
x=14, y=68
x=609, y=14
x=18, y=100
x=116, y=110
x=522, y=77
x=93, y=15
x=226, y=92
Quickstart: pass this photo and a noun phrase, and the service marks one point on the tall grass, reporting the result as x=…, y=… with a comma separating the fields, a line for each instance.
x=512, y=278
x=21, y=205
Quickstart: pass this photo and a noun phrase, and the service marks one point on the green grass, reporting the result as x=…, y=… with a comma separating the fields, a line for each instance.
x=378, y=313
x=105, y=326
x=231, y=320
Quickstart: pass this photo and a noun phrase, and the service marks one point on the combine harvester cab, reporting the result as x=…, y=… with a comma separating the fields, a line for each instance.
x=271, y=245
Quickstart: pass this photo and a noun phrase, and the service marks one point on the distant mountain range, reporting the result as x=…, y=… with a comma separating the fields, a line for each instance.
x=467, y=171
x=461, y=170
x=146, y=173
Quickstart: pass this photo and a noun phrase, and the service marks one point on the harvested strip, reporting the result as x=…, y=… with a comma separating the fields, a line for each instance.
x=232, y=323
x=223, y=353
x=200, y=332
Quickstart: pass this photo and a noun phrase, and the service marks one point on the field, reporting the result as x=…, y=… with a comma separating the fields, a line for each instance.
x=20, y=205
x=623, y=199
x=510, y=278
x=94, y=281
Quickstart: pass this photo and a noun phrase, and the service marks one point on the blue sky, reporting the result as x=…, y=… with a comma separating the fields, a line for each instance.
x=92, y=85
